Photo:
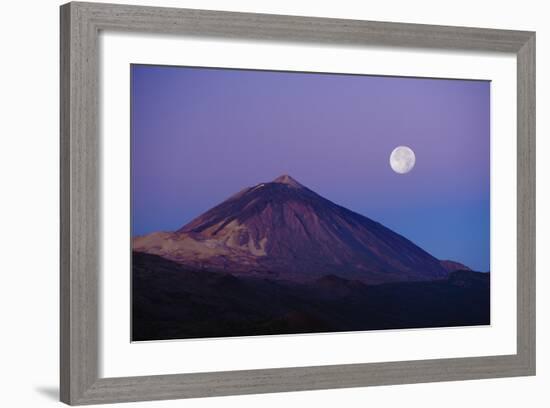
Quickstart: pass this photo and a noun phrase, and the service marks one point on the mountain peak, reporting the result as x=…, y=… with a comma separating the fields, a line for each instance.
x=286, y=231
x=289, y=181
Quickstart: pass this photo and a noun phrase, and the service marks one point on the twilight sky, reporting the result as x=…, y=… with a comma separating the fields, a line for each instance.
x=199, y=135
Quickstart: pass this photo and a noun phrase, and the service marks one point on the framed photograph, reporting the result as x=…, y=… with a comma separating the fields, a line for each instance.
x=260, y=203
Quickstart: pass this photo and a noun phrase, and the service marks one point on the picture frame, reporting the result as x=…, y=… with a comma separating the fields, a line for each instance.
x=81, y=24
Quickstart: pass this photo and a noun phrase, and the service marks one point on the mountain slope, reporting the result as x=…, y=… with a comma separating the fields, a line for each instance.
x=452, y=266
x=286, y=231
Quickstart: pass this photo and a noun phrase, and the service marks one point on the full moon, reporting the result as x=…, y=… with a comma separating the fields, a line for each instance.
x=402, y=159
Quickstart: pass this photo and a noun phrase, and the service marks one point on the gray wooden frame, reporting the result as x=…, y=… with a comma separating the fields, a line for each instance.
x=80, y=158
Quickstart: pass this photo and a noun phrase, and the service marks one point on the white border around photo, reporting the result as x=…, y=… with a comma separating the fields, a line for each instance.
x=120, y=357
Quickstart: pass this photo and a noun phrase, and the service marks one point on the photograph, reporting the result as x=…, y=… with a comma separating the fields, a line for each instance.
x=275, y=204
x=279, y=202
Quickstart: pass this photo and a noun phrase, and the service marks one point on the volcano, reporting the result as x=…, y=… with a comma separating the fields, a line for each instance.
x=282, y=230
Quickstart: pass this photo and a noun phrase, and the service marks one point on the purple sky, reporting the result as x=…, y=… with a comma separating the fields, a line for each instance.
x=199, y=135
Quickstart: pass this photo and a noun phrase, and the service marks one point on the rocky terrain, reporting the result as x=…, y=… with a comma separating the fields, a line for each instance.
x=172, y=302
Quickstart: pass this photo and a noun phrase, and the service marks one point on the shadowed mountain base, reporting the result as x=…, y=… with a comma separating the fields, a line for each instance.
x=171, y=301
